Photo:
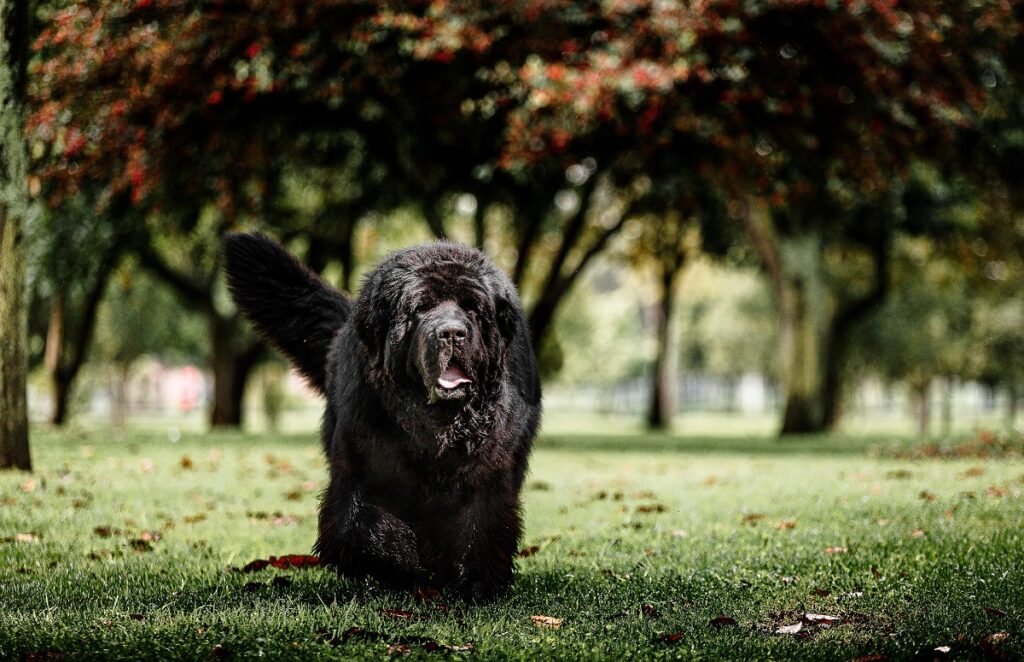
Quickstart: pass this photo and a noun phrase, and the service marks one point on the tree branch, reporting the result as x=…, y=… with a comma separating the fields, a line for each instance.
x=195, y=293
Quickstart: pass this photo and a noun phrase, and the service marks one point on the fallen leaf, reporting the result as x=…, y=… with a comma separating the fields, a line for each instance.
x=192, y=519
x=136, y=617
x=679, y=533
x=942, y=649
x=186, y=462
x=820, y=619
x=25, y=537
x=651, y=508
x=917, y=533
x=539, y=486
x=836, y=550
x=29, y=485
x=547, y=622
x=710, y=480
x=974, y=472
x=528, y=551
x=996, y=491
x=997, y=637
x=752, y=518
x=650, y=611
x=722, y=621
x=282, y=562
x=673, y=638
x=821, y=592
x=789, y=629
x=925, y=495
x=786, y=524
x=398, y=649
x=992, y=611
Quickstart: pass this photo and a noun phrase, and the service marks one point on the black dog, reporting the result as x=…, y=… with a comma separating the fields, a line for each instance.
x=433, y=401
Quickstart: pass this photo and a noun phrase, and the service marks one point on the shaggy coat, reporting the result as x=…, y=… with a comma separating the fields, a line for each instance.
x=433, y=401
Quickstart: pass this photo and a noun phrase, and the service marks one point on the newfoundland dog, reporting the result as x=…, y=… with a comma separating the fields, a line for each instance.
x=433, y=401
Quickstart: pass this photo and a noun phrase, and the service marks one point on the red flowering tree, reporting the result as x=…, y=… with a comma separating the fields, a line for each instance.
x=809, y=115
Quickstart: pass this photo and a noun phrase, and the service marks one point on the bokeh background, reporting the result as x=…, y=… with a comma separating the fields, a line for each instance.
x=749, y=216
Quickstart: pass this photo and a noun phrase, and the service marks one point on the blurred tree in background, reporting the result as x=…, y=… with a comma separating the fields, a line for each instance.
x=540, y=131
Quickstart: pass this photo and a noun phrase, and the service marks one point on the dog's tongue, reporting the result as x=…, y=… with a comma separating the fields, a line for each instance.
x=452, y=377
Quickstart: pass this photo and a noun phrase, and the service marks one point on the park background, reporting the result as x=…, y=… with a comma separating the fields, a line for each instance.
x=771, y=253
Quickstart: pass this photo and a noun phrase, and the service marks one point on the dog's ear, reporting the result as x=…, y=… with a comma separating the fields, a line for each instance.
x=508, y=317
x=369, y=319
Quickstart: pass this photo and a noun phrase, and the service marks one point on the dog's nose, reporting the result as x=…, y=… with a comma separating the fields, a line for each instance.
x=452, y=331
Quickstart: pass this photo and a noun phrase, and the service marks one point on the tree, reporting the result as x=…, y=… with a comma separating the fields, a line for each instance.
x=71, y=285
x=14, y=38
x=810, y=114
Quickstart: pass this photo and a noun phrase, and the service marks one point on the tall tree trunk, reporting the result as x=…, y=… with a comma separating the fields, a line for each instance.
x=922, y=406
x=662, y=402
x=14, y=37
x=803, y=338
x=53, y=358
x=231, y=368
x=67, y=348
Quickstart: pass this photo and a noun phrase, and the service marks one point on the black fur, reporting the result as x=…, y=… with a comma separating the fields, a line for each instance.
x=424, y=477
x=288, y=303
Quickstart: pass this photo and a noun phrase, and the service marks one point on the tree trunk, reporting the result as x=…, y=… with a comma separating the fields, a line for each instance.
x=231, y=367
x=922, y=407
x=14, y=37
x=804, y=318
x=662, y=403
x=53, y=357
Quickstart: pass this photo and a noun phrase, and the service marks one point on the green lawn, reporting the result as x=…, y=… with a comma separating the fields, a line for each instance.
x=121, y=546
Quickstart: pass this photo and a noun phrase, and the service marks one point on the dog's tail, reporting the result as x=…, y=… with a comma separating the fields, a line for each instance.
x=289, y=304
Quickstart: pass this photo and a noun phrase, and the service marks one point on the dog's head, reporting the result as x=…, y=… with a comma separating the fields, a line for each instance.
x=435, y=322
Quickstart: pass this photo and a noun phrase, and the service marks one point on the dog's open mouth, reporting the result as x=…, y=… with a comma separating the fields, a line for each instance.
x=451, y=384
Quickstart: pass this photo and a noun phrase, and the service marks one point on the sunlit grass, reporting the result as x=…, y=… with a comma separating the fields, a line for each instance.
x=910, y=555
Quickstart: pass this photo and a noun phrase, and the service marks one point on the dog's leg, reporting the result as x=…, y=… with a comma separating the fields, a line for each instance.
x=361, y=539
x=494, y=525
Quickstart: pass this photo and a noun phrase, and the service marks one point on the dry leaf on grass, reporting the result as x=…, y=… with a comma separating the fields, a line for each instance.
x=722, y=621
x=836, y=550
x=547, y=622
x=820, y=619
x=789, y=629
x=281, y=562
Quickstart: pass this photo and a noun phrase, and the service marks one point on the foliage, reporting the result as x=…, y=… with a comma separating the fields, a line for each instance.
x=141, y=317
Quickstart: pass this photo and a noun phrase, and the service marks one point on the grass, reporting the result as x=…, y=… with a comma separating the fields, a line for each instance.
x=637, y=537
